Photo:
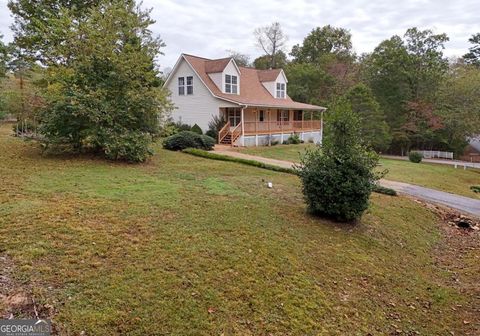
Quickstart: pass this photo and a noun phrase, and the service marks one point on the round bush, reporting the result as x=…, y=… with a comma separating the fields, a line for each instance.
x=208, y=142
x=130, y=146
x=415, y=157
x=338, y=177
x=188, y=139
x=337, y=188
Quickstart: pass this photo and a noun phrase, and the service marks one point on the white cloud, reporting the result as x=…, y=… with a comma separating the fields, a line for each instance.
x=208, y=28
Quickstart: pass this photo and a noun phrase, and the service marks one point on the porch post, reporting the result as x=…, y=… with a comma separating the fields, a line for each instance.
x=243, y=127
x=281, y=126
x=311, y=120
x=269, y=132
x=321, y=127
x=303, y=129
x=255, y=115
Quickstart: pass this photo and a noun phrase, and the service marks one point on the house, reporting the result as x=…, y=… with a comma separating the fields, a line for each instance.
x=472, y=152
x=254, y=103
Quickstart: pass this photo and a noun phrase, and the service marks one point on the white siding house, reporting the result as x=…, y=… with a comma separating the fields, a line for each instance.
x=254, y=103
x=197, y=108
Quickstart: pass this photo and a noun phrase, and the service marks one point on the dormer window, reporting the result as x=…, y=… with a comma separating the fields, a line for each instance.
x=231, y=84
x=280, y=90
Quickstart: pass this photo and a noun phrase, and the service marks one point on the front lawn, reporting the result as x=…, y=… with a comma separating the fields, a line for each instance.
x=189, y=246
x=436, y=176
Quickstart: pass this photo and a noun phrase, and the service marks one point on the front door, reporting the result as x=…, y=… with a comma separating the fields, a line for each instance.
x=234, y=115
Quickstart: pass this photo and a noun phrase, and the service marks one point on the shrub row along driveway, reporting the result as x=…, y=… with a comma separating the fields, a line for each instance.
x=460, y=203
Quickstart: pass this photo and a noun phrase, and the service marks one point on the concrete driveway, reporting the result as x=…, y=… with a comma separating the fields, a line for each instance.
x=460, y=203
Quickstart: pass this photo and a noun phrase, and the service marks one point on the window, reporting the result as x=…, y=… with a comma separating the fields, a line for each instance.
x=231, y=84
x=261, y=116
x=189, y=85
x=280, y=90
x=181, y=86
x=234, y=116
x=283, y=115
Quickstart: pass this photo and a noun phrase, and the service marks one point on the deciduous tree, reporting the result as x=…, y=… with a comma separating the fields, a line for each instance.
x=323, y=44
x=271, y=40
x=103, y=92
x=240, y=59
x=373, y=127
x=34, y=25
x=264, y=62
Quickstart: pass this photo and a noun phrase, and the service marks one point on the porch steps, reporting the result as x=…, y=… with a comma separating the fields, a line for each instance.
x=227, y=139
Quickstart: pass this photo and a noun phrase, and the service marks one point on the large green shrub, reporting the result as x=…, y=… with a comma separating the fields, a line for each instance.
x=127, y=146
x=339, y=176
x=415, y=157
x=188, y=139
x=207, y=142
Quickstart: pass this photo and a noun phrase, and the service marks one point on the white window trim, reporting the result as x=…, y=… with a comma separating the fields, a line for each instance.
x=231, y=84
x=187, y=85
x=181, y=86
x=281, y=92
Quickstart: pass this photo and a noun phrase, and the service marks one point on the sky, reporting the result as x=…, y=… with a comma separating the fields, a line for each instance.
x=209, y=28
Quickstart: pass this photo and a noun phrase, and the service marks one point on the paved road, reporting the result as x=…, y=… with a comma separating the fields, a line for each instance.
x=460, y=164
x=460, y=203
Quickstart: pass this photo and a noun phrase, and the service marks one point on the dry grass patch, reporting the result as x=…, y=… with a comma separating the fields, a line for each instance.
x=190, y=246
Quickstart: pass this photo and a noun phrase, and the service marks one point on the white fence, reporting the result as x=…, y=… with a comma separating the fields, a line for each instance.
x=435, y=154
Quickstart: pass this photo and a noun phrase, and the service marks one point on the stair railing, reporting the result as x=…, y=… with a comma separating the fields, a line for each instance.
x=223, y=132
x=236, y=132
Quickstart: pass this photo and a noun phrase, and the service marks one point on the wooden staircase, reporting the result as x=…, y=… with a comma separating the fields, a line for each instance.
x=227, y=139
x=228, y=136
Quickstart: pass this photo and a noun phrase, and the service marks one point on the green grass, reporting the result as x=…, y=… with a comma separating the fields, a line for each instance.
x=184, y=245
x=279, y=152
x=436, y=176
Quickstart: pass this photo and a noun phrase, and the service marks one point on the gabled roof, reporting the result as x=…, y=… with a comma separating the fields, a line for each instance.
x=218, y=65
x=252, y=91
x=268, y=75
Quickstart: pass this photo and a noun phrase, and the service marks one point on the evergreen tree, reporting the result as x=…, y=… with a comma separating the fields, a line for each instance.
x=373, y=127
x=473, y=55
x=339, y=176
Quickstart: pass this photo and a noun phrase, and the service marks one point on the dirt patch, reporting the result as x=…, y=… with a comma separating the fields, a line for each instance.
x=459, y=256
x=16, y=299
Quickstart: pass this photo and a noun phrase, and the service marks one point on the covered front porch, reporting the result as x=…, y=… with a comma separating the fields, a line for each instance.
x=249, y=123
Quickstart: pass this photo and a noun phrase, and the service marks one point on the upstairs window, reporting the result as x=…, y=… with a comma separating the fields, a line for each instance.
x=181, y=86
x=280, y=90
x=231, y=84
x=189, y=85
x=185, y=86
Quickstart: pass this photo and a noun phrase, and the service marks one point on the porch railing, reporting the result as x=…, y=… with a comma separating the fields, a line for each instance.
x=236, y=132
x=223, y=132
x=266, y=127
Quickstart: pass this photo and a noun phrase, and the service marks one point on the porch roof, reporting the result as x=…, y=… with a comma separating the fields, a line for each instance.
x=252, y=91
